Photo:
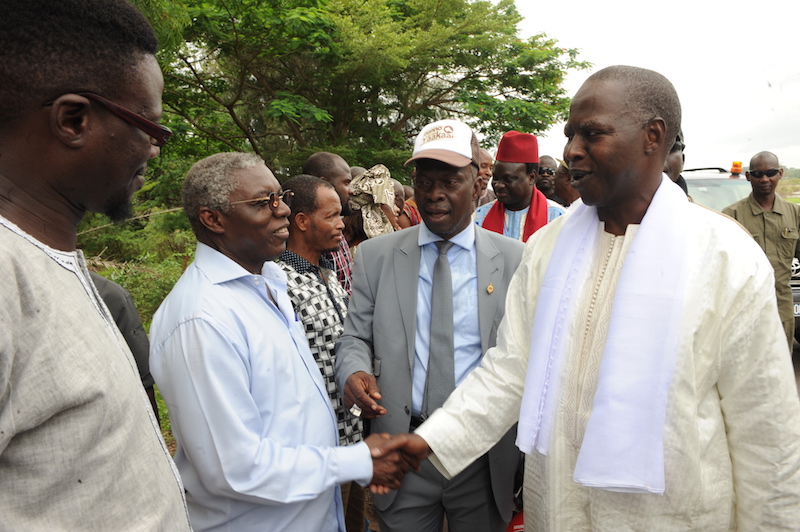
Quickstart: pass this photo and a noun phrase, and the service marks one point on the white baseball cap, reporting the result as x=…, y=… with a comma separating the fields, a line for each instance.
x=449, y=141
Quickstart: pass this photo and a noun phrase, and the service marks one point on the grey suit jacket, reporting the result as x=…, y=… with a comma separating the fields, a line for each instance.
x=380, y=329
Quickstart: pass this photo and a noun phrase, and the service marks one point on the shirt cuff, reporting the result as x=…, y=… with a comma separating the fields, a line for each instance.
x=427, y=432
x=355, y=463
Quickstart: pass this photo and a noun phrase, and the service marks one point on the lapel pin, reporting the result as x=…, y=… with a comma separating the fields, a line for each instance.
x=490, y=288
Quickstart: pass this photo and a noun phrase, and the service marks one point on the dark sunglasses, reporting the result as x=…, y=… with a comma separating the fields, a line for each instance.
x=273, y=200
x=158, y=134
x=547, y=171
x=758, y=174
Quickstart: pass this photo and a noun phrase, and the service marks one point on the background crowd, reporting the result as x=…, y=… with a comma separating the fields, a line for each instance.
x=335, y=335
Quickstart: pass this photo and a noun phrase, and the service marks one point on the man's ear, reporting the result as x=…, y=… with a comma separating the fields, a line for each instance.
x=476, y=188
x=655, y=135
x=69, y=119
x=301, y=221
x=213, y=220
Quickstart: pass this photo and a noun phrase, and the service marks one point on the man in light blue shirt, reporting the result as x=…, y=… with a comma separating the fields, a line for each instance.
x=390, y=353
x=257, y=438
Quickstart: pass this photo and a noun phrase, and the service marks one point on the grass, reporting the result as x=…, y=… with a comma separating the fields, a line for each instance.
x=166, y=429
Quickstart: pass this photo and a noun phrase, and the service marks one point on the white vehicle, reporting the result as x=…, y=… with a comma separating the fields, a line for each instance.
x=714, y=188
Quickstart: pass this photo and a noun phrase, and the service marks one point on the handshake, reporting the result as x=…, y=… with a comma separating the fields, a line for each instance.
x=392, y=456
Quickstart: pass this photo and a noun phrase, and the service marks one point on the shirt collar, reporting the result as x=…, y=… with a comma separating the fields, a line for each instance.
x=221, y=269
x=465, y=239
x=777, y=206
x=301, y=265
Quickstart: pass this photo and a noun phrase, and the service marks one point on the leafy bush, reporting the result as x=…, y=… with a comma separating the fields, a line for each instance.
x=147, y=280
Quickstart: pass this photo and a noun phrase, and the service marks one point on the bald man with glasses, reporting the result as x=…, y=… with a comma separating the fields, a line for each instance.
x=775, y=224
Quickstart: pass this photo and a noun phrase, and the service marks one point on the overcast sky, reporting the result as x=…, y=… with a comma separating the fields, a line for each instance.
x=735, y=65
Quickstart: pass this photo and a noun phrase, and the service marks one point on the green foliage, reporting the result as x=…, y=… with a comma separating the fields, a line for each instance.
x=168, y=19
x=155, y=235
x=287, y=78
x=362, y=76
x=166, y=428
x=148, y=280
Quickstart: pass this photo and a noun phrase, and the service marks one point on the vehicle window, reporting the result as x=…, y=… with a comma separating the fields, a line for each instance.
x=717, y=193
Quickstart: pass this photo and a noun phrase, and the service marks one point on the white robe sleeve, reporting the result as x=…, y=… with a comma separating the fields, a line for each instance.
x=759, y=401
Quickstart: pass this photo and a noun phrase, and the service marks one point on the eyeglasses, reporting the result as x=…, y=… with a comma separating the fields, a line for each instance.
x=158, y=134
x=547, y=171
x=273, y=200
x=758, y=174
x=678, y=146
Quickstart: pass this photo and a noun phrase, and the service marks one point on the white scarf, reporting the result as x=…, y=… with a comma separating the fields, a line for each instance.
x=623, y=447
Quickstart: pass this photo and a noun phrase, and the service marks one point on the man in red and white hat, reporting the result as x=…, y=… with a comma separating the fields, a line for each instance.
x=520, y=208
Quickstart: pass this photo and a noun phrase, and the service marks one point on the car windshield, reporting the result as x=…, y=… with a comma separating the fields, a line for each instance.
x=717, y=193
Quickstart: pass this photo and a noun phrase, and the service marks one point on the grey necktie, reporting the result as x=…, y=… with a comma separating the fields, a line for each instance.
x=441, y=373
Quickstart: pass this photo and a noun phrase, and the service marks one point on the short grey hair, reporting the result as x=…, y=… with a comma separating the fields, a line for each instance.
x=209, y=183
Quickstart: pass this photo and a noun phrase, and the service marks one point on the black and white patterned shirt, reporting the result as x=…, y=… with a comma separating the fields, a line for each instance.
x=342, y=264
x=321, y=305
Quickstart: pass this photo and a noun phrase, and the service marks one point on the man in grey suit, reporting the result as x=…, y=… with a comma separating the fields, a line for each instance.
x=395, y=366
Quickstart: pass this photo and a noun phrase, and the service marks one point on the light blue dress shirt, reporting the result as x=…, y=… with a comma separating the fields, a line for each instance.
x=257, y=438
x=466, y=326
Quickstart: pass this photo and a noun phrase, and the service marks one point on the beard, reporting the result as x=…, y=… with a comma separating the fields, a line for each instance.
x=119, y=207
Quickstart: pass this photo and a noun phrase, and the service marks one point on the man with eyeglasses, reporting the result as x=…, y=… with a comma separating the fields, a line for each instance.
x=80, y=99
x=545, y=180
x=413, y=332
x=775, y=224
x=257, y=436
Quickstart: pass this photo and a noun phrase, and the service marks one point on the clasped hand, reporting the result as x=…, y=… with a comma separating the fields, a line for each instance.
x=392, y=457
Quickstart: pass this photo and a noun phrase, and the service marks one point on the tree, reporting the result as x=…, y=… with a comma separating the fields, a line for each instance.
x=286, y=78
